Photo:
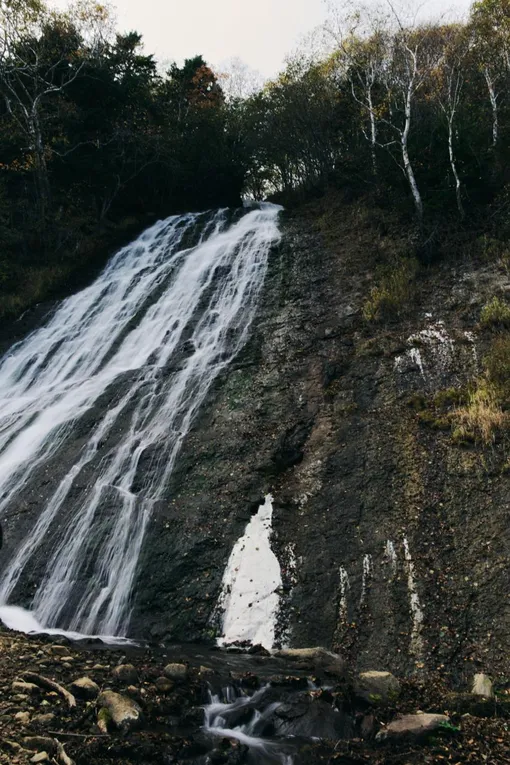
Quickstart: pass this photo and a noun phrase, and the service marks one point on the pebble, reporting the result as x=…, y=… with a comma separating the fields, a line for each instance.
x=164, y=685
x=43, y=719
x=59, y=650
x=40, y=757
x=125, y=673
x=26, y=688
x=22, y=717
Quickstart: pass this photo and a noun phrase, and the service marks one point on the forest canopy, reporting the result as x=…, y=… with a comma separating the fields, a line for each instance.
x=93, y=133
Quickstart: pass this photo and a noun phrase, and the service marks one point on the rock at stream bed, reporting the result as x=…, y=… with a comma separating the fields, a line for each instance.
x=124, y=713
x=125, y=673
x=176, y=672
x=482, y=686
x=415, y=726
x=316, y=658
x=377, y=686
x=85, y=688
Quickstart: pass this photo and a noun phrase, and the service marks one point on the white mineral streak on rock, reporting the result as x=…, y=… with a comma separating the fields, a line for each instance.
x=365, y=577
x=249, y=595
x=470, y=337
x=416, y=608
x=310, y=480
x=415, y=356
x=345, y=586
x=433, y=342
x=391, y=555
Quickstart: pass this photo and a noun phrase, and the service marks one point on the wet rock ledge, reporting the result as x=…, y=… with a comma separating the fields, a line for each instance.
x=65, y=703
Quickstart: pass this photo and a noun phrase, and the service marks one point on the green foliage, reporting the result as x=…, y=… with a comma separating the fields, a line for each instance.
x=394, y=292
x=496, y=313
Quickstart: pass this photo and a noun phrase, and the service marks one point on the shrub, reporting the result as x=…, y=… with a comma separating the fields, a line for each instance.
x=496, y=313
x=392, y=296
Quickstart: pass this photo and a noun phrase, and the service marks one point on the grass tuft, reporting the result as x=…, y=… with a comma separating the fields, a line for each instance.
x=496, y=313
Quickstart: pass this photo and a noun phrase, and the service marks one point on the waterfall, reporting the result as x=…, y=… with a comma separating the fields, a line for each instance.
x=142, y=346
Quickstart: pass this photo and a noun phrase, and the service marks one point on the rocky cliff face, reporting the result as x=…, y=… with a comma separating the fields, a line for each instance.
x=392, y=535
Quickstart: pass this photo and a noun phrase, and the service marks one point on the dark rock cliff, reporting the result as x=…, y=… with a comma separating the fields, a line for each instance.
x=392, y=535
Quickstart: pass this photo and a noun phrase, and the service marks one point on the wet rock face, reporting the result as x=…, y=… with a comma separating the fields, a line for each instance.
x=391, y=538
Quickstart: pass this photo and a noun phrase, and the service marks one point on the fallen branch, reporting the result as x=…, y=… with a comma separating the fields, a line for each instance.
x=78, y=735
x=45, y=682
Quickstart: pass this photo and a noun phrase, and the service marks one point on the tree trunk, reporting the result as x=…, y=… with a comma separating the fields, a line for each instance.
x=373, y=132
x=405, y=156
x=494, y=104
x=453, y=165
x=41, y=168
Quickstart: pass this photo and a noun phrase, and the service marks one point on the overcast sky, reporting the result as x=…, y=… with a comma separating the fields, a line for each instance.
x=261, y=32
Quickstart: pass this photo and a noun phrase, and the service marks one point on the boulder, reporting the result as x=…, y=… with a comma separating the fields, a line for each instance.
x=125, y=673
x=482, y=686
x=315, y=658
x=177, y=672
x=377, y=686
x=124, y=712
x=414, y=726
x=85, y=688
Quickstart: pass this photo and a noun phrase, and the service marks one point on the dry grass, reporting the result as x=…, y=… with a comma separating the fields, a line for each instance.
x=394, y=293
x=482, y=417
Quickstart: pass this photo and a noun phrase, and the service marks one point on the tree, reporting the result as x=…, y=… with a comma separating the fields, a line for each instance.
x=447, y=83
x=41, y=54
x=490, y=26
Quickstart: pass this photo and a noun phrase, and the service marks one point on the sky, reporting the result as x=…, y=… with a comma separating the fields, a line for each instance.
x=260, y=32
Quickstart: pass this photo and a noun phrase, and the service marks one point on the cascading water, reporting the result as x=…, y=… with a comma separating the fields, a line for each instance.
x=150, y=335
x=236, y=715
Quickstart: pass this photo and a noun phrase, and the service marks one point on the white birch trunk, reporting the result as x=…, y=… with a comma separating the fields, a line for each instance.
x=418, y=203
x=373, y=131
x=494, y=104
x=453, y=165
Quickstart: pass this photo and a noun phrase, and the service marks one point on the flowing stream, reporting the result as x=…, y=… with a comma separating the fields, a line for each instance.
x=235, y=715
x=149, y=337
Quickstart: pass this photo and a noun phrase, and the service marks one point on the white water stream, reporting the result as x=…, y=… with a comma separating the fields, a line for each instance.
x=128, y=328
x=223, y=711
